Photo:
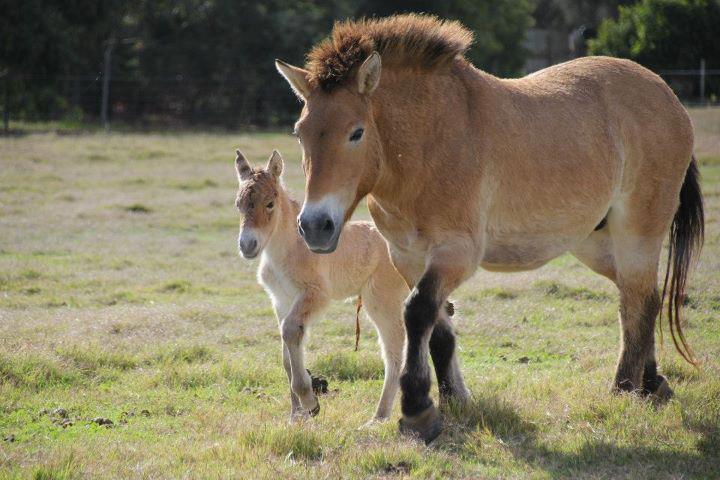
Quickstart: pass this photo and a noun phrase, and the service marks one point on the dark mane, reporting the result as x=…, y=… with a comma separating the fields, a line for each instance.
x=422, y=41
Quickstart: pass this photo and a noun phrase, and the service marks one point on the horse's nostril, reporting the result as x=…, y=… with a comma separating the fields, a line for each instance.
x=328, y=226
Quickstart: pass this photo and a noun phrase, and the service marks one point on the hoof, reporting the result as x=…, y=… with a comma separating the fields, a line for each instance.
x=663, y=393
x=298, y=417
x=373, y=422
x=427, y=425
x=314, y=411
x=456, y=400
x=624, y=387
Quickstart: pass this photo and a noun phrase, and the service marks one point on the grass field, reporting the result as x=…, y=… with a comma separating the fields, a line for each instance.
x=122, y=298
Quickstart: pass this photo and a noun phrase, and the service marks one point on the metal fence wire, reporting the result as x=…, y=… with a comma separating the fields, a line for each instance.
x=184, y=101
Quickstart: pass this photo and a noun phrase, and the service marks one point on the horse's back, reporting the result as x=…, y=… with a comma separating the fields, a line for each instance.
x=627, y=98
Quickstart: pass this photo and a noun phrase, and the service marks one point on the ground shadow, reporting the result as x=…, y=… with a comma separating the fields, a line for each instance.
x=595, y=458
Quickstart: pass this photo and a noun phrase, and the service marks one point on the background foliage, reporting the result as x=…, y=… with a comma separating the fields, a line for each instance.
x=211, y=61
x=662, y=34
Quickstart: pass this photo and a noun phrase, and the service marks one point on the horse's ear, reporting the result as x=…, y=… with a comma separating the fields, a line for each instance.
x=242, y=166
x=296, y=77
x=368, y=75
x=275, y=164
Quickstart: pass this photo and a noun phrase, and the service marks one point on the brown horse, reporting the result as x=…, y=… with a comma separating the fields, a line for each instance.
x=463, y=169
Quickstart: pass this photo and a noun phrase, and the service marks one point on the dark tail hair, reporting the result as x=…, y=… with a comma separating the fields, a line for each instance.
x=687, y=234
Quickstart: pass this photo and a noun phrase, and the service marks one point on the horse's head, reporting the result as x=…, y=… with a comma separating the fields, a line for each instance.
x=341, y=149
x=257, y=200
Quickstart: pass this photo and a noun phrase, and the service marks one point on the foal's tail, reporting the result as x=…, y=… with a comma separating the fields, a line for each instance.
x=687, y=233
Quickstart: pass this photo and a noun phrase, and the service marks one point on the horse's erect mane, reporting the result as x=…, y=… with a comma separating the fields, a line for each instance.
x=421, y=41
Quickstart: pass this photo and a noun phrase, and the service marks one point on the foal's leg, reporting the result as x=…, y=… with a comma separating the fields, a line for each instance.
x=446, y=269
x=281, y=311
x=294, y=400
x=383, y=301
x=292, y=329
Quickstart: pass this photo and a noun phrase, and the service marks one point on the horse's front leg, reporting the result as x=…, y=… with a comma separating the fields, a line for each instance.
x=447, y=267
x=293, y=329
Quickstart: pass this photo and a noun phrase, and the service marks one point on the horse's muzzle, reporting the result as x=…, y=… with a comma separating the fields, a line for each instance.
x=319, y=231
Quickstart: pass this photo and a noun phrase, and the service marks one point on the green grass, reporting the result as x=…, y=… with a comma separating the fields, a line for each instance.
x=122, y=296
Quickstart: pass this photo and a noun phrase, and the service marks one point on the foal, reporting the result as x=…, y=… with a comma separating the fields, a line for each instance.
x=300, y=283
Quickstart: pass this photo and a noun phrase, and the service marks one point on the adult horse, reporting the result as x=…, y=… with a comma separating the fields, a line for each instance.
x=462, y=169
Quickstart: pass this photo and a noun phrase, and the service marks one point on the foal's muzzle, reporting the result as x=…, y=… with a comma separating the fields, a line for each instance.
x=319, y=231
x=248, y=245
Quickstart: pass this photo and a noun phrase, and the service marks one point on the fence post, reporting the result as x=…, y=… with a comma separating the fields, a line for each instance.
x=107, y=71
x=702, y=81
x=6, y=104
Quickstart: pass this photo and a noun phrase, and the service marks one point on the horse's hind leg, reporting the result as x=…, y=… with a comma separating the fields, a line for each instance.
x=630, y=261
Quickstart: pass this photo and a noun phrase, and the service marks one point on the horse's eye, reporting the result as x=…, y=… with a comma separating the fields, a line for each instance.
x=251, y=205
x=357, y=135
x=270, y=205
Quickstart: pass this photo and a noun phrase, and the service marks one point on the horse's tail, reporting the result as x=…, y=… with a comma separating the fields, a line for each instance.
x=687, y=233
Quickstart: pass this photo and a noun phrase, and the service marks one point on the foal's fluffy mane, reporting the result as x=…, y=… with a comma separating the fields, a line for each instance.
x=421, y=41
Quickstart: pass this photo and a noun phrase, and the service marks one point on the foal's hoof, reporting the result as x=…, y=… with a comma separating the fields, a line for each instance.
x=426, y=425
x=373, y=422
x=663, y=393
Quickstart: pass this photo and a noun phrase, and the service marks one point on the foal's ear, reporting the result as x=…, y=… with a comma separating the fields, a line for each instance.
x=368, y=75
x=296, y=77
x=275, y=164
x=242, y=166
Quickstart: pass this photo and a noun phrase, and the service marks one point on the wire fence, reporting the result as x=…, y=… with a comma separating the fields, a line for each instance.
x=180, y=101
x=161, y=101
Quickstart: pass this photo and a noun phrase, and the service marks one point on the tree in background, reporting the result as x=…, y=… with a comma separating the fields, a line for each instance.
x=203, y=61
x=499, y=26
x=664, y=35
x=567, y=15
x=43, y=39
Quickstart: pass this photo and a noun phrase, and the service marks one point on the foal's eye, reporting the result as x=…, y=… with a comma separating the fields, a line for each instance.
x=357, y=135
x=251, y=205
x=270, y=205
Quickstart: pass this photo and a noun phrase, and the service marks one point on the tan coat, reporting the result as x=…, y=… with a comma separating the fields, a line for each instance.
x=301, y=284
x=464, y=170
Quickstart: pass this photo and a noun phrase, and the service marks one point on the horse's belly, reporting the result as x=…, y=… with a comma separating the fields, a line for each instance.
x=510, y=255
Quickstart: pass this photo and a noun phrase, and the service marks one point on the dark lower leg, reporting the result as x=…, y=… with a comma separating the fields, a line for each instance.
x=442, y=349
x=638, y=342
x=651, y=381
x=421, y=311
x=444, y=355
x=415, y=379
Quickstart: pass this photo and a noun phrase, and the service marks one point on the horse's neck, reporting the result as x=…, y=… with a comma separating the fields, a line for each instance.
x=424, y=122
x=286, y=234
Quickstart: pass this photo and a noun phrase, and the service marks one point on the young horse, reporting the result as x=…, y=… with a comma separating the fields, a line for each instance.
x=463, y=169
x=301, y=284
